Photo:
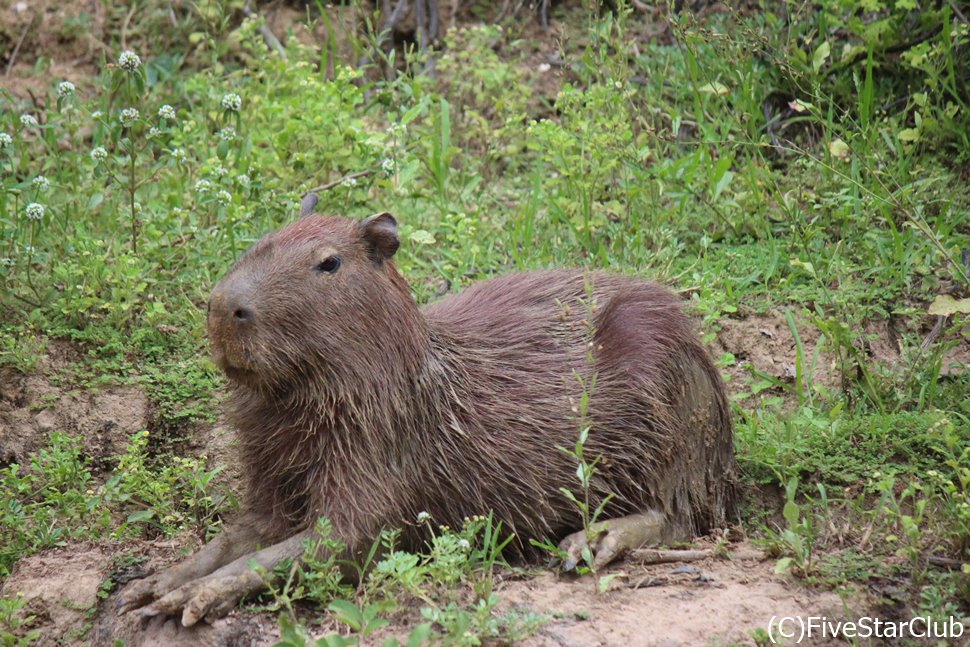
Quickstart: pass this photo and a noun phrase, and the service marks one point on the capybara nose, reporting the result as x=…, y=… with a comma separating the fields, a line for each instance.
x=231, y=305
x=242, y=315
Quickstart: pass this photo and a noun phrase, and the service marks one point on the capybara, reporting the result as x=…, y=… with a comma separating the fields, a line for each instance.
x=353, y=403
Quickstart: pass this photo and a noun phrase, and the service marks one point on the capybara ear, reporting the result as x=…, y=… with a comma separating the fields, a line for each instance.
x=379, y=233
x=308, y=204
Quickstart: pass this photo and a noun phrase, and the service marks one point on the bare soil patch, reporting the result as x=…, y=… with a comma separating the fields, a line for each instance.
x=765, y=344
x=32, y=407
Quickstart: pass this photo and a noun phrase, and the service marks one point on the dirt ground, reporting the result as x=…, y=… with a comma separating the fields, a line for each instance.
x=712, y=602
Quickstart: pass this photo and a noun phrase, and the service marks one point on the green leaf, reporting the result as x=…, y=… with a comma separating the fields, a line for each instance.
x=422, y=237
x=944, y=305
x=808, y=267
x=412, y=112
x=141, y=515
x=782, y=565
x=420, y=635
x=790, y=512
x=723, y=183
x=347, y=613
x=95, y=200
x=604, y=582
x=908, y=135
x=714, y=88
x=838, y=149
x=821, y=55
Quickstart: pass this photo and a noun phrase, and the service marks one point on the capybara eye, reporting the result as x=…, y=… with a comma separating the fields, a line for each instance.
x=329, y=265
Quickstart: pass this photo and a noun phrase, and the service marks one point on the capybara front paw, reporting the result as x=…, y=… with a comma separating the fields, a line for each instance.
x=139, y=593
x=210, y=597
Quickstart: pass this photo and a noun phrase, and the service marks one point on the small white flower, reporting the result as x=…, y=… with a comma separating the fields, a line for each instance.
x=463, y=544
x=129, y=61
x=28, y=121
x=5, y=140
x=203, y=186
x=96, y=115
x=178, y=154
x=395, y=130
x=232, y=102
x=224, y=198
x=65, y=89
x=153, y=132
x=35, y=211
x=227, y=134
x=242, y=179
x=166, y=112
x=9, y=262
x=30, y=250
x=350, y=182
x=41, y=183
x=220, y=171
x=387, y=166
x=423, y=517
x=99, y=154
x=176, y=211
x=129, y=116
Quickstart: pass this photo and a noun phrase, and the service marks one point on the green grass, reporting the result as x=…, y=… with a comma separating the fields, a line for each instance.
x=807, y=168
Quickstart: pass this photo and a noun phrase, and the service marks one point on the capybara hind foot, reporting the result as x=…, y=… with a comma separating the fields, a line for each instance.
x=612, y=538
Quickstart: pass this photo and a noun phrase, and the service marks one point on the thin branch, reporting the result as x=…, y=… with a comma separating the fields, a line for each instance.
x=330, y=185
x=656, y=556
x=124, y=25
x=958, y=13
x=268, y=36
x=20, y=41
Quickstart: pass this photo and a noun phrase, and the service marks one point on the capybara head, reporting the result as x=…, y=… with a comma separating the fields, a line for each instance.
x=314, y=301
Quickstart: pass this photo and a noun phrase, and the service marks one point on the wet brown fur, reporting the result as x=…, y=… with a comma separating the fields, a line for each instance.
x=353, y=403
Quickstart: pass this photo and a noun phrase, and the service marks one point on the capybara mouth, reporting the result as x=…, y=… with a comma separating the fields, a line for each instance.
x=233, y=363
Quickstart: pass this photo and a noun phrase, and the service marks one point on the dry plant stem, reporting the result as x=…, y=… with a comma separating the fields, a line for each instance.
x=131, y=196
x=268, y=36
x=124, y=25
x=426, y=14
x=944, y=562
x=20, y=41
x=959, y=14
x=390, y=19
x=330, y=185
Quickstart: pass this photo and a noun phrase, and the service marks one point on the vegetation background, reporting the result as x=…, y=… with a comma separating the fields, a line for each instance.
x=798, y=171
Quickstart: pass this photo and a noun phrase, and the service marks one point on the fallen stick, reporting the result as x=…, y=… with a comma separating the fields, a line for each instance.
x=268, y=37
x=658, y=556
